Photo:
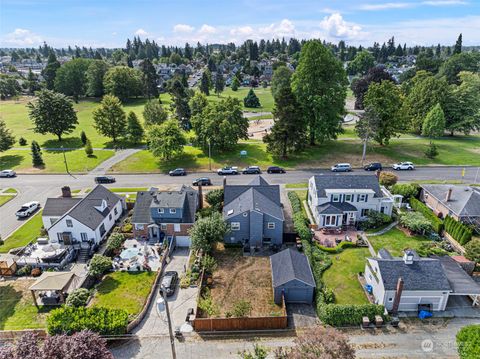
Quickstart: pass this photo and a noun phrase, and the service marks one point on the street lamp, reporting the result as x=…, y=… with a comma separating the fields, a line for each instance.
x=209, y=155
x=163, y=292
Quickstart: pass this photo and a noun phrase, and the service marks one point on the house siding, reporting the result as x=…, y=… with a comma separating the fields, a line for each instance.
x=241, y=235
x=256, y=229
x=295, y=291
x=275, y=234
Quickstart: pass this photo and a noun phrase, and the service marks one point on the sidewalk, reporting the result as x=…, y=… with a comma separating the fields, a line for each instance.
x=119, y=156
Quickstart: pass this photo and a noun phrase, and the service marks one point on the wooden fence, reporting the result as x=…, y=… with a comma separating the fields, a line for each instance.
x=15, y=334
x=457, y=246
x=232, y=324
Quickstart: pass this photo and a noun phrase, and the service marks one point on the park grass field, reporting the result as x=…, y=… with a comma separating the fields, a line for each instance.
x=457, y=151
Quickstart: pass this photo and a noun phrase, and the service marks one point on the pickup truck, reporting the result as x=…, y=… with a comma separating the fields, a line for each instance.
x=27, y=209
x=228, y=171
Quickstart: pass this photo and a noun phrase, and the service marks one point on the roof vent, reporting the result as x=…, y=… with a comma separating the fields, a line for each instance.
x=408, y=257
x=230, y=212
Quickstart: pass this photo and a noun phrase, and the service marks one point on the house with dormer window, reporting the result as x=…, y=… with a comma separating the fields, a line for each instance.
x=344, y=200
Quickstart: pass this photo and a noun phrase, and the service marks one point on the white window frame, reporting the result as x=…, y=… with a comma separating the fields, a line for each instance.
x=271, y=225
x=348, y=198
x=84, y=236
x=177, y=228
x=364, y=212
x=173, y=210
x=163, y=227
x=336, y=197
x=161, y=210
x=69, y=223
x=235, y=226
x=362, y=197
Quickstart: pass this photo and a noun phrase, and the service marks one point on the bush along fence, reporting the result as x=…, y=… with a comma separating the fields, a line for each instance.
x=458, y=231
x=436, y=222
x=328, y=312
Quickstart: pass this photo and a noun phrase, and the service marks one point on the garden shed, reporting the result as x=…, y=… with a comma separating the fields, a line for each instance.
x=292, y=277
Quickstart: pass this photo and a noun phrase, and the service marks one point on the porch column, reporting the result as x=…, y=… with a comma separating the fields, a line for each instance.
x=34, y=298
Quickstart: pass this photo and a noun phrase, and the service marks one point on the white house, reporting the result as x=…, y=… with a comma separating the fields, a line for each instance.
x=339, y=200
x=82, y=220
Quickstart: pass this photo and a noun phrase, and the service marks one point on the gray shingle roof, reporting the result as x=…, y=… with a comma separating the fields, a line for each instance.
x=335, y=208
x=460, y=281
x=464, y=201
x=141, y=211
x=422, y=274
x=57, y=207
x=258, y=181
x=270, y=191
x=289, y=265
x=338, y=181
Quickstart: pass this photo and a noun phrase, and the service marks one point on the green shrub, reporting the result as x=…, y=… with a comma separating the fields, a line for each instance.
x=242, y=308
x=127, y=228
x=114, y=243
x=473, y=250
x=343, y=315
x=99, y=265
x=374, y=220
x=22, y=141
x=407, y=190
x=24, y=271
x=104, y=321
x=416, y=222
x=387, y=178
x=468, y=342
x=78, y=298
x=215, y=198
x=437, y=223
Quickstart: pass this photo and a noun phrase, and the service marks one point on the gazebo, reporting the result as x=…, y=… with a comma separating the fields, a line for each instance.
x=52, y=287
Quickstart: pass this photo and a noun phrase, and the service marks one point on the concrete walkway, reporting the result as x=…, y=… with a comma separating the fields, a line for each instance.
x=383, y=231
x=119, y=156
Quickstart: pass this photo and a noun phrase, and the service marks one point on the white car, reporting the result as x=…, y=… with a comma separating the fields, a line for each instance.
x=403, y=166
x=8, y=173
x=228, y=171
x=27, y=209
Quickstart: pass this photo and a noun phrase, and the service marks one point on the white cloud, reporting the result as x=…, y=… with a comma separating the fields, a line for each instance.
x=283, y=29
x=337, y=27
x=22, y=38
x=386, y=6
x=141, y=32
x=242, y=31
x=207, y=29
x=444, y=2
x=183, y=28
x=114, y=33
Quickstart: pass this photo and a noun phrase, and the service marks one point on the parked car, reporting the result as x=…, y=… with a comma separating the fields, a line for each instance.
x=204, y=181
x=169, y=282
x=27, y=209
x=178, y=172
x=8, y=173
x=228, y=171
x=375, y=166
x=251, y=170
x=341, y=167
x=403, y=166
x=104, y=179
x=275, y=169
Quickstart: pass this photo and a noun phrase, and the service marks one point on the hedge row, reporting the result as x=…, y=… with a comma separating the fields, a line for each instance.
x=436, y=222
x=459, y=231
x=327, y=311
x=468, y=342
x=337, y=249
x=104, y=321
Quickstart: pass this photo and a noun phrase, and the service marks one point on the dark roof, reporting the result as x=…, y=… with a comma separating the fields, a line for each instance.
x=57, y=207
x=261, y=197
x=185, y=198
x=258, y=181
x=460, y=281
x=289, y=265
x=464, y=200
x=338, y=181
x=422, y=274
x=85, y=211
x=335, y=208
x=384, y=254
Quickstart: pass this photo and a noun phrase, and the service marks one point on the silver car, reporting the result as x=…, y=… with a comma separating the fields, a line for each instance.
x=341, y=167
x=8, y=173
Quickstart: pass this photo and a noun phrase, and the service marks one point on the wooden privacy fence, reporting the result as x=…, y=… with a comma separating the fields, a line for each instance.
x=232, y=324
x=15, y=334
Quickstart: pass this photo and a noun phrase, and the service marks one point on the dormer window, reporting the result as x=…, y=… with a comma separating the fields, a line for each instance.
x=160, y=210
x=362, y=198
x=173, y=210
x=348, y=198
x=335, y=198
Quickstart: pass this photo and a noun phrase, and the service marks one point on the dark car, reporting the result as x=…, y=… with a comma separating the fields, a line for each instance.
x=104, y=179
x=275, y=169
x=178, y=172
x=169, y=282
x=375, y=166
x=202, y=182
x=252, y=170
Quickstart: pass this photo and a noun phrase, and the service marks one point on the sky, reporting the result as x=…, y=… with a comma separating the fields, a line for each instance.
x=108, y=23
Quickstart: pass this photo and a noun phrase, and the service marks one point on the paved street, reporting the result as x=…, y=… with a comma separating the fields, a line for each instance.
x=40, y=187
x=412, y=341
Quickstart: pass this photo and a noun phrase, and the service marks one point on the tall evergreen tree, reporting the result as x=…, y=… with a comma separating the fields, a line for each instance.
x=36, y=152
x=179, y=103
x=219, y=83
x=149, y=79
x=50, y=70
x=205, y=84
x=134, y=128
x=7, y=140
x=458, y=45
x=251, y=100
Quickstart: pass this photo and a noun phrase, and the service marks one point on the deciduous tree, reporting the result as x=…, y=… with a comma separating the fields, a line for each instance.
x=208, y=230
x=71, y=78
x=109, y=118
x=280, y=79
x=466, y=61
x=154, y=113
x=166, y=140
x=360, y=86
x=362, y=62
x=123, y=82
x=95, y=74
x=198, y=103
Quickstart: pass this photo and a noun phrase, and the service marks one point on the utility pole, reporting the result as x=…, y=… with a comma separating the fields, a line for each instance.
x=65, y=161
x=172, y=338
x=476, y=176
x=209, y=155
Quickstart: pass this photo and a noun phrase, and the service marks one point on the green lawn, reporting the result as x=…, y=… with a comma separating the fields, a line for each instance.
x=458, y=151
x=29, y=231
x=17, y=310
x=124, y=290
x=78, y=161
x=395, y=241
x=297, y=185
x=10, y=190
x=341, y=277
x=127, y=189
x=5, y=199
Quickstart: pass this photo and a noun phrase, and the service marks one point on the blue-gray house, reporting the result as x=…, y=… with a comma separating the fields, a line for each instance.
x=254, y=213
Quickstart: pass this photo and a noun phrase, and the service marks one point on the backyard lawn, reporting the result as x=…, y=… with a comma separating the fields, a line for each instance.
x=341, y=277
x=23, y=235
x=243, y=278
x=395, y=241
x=17, y=310
x=124, y=290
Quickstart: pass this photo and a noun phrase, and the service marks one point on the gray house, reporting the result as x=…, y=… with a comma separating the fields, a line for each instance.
x=292, y=276
x=254, y=213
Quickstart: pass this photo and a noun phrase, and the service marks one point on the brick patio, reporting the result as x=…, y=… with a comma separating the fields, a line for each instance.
x=330, y=240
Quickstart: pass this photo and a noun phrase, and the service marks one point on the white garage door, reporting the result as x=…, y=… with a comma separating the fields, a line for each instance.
x=182, y=241
x=411, y=303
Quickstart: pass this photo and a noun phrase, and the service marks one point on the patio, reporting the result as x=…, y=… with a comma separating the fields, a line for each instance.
x=332, y=237
x=138, y=255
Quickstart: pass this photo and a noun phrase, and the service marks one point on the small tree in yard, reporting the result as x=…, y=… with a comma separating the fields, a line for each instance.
x=22, y=141
x=215, y=199
x=109, y=118
x=415, y=222
x=37, y=159
x=242, y=308
x=209, y=263
x=99, y=265
x=235, y=84
x=6, y=138
x=472, y=249
x=83, y=137
x=387, y=178
x=78, y=298
x=318, y=343
x=166, y=140
x=251, y=100
x=208, y=230
x=433, y=126
x=88, y=148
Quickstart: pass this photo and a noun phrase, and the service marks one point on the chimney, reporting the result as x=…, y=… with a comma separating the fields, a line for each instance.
x=200, y=196
x=449, y=195
x=224, y=181
x=66, y=192
x=398, y=296
x=408, y=257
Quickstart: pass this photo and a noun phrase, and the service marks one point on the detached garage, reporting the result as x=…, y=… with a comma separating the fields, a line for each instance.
x=292, y=277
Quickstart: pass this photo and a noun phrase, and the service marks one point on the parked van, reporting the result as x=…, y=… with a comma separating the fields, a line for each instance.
x=342, y=167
